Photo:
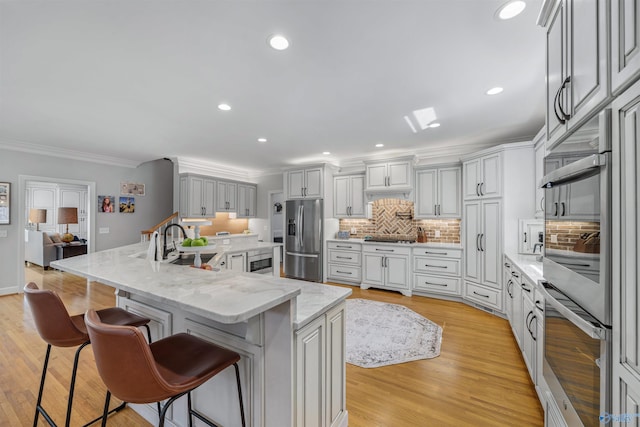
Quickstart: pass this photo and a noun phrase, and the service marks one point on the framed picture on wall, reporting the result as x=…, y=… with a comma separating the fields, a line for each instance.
x=5, y=199
x=106, y=204
x=127, y=204
x=132, y=188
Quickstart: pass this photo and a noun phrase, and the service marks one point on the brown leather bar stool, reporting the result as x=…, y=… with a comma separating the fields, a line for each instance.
x=169, y=368
x=57, y=328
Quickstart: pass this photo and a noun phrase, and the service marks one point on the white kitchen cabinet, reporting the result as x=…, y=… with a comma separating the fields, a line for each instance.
x=74, y=197
x=345, y=262
x=508, y=290
x=391, y=175
x=529, y=328
x=437, y=270
x=247, y=200
x=482, y=242
x=625, y=44
x=348, y=196
x=482, y=177
x=304, y=183
x=386, y=267
x=226, y=196
x=438, y=193
x=577, y=63
x=197, y=196
x=320, y=371
x=517, y=310
x=237, y=262
x=40, y=195
x=160, y=325
x=626, y=234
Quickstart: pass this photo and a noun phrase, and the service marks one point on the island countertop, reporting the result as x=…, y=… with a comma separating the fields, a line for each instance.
x=223, y=296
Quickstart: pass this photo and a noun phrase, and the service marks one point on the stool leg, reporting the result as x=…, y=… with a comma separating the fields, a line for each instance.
x=148, y=333
x=235, y=365
x=190, y=411
x=105, y=412
x=39, y=401
x=73, y=382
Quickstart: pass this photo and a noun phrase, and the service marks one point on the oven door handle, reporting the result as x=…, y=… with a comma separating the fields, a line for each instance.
x=588, y=328
x=575, y=171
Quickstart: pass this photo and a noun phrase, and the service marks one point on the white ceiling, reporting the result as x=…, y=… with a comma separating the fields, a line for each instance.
x=141, y=79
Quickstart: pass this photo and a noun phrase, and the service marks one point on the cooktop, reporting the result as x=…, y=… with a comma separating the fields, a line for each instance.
x=387, y=240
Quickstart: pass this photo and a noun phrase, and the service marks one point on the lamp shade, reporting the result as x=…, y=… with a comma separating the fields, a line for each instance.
x=37, y=216
x=67, y=215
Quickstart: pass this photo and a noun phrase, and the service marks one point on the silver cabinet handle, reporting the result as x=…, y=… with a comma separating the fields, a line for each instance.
x=436, y=284
x=343, y=272
x=436, y=266
x=236, y=256
x=480, y=295
x=347, y=247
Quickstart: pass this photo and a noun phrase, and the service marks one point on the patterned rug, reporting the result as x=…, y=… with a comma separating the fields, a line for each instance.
x=380, y=334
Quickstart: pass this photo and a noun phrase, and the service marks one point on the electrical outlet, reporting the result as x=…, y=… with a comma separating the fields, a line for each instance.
x=103, y=230
x=353, y=230
x=554, y=238
x=437, y=234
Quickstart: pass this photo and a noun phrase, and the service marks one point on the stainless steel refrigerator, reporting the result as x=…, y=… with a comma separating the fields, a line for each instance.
x=303, y=240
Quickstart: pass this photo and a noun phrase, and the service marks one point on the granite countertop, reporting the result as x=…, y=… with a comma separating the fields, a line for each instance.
x=223, y=296
x=412, y=245
x=528, y=264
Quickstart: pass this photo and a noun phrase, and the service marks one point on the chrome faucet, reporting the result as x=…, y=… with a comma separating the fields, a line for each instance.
x=537, y=245
x=165, y=251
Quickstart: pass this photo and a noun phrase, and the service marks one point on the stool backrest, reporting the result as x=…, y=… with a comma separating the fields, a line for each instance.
x=52, y=319
x=125, y=362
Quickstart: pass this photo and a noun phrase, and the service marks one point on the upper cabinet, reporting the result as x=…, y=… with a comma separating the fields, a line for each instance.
x=577, y=62
x=348, y=196
x=625, y=44
x=247, y=200
x=227, y=194
x=389, y=175
x=482, y=177
x=304, y=183
x=438, y=192
x=197, y=196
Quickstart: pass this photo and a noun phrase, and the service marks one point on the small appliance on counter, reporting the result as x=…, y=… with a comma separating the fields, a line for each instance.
x=422, y=235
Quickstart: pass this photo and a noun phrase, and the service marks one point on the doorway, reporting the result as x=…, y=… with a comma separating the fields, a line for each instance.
x=276, y=218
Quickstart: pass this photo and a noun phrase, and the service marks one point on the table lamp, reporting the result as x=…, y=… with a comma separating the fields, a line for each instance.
x=67, y=216
x=37, y=217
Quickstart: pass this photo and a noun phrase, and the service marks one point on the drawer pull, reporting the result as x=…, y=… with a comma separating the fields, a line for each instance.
x=524, y=288
x=344, y=257
x=343, y=272
x=506, y=264
x=436, y=253
x=480, y=295
x=514, y=274
x=385, y=250
x=436, y=284
x=346, y=247
x=436, y=266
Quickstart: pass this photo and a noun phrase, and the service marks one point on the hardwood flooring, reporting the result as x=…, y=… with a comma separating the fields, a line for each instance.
x=479, y=379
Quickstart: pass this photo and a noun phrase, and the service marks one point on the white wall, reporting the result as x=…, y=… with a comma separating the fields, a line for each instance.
x=124, y=228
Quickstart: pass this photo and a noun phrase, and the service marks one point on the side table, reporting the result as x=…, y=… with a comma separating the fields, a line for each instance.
x=68, y=251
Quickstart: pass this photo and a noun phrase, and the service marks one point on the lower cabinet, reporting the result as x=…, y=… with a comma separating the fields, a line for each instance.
x=237, y=262
x=345, y=262
x=552, y=416
x=320, y=396
x=386, y=267
x=161, y=321
x=437, y=271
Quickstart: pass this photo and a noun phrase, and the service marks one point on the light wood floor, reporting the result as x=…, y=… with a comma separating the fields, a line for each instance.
x=479, y=379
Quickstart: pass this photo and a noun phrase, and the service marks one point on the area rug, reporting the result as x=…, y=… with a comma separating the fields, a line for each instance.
x=380, y=334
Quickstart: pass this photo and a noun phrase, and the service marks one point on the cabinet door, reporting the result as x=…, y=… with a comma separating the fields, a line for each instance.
x=491, y=181
x=396, y=272
x=376, y=176
x=556, y=68
x=528, y=345
x=237, y=262
x=357, y=196
x=232, y=196
x=426, y=193
x=508, y=292
x=490, y=245
x=341, y=196
x=310, y=380
x=246, y=201
x=471, y=179
x=196, y=190
x=295, y=184
x=336, y=369
x=449, y=187
x=373, y=269
x=472, y=252
x=399, y=174
x=588, y=51
x=222, y=197
x=625, y=44
x=517, y=325
x=209, y=197
x=313, y=183
x=252, y=201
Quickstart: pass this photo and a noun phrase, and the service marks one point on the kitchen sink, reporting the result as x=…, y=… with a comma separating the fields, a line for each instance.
x=188, y=259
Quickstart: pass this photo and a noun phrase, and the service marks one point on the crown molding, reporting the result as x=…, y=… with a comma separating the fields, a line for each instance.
x=43, y=150
x=202, y=167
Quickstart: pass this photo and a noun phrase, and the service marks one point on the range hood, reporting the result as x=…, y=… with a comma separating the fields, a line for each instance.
x=395, y=193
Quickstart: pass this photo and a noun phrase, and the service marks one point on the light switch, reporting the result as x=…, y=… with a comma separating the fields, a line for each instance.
x=554, y=238
x=437, y=234
x=3, y=233
x=104, y=230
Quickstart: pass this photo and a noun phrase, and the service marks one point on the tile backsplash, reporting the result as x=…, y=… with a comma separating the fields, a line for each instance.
x=568, y=233
x=391, y=218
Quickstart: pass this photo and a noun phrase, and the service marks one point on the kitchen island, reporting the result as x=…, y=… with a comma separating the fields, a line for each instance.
x=289, y=333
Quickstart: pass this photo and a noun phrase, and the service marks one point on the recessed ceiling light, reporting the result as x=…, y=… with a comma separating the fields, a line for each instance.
x=511, y=9
x=494, y=91
x=278, y=42
x=379, y=145
x=326, y=153
x=262, y=139
x=434, y=125
x=224, y=107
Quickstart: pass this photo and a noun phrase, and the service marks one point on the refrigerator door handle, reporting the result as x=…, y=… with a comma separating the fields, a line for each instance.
x=302, y=255
x=300, y=225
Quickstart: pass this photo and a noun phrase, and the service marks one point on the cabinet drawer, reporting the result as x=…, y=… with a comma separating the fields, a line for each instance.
x=345, y=272
x=345, y=246
x=440, y=253
x=345, y=257
x=429, y=283
x=485, y=296
x=450, y=267
x=386, y=249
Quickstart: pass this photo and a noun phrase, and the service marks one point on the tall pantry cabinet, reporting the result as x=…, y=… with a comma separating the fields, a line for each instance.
x=498, y=190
